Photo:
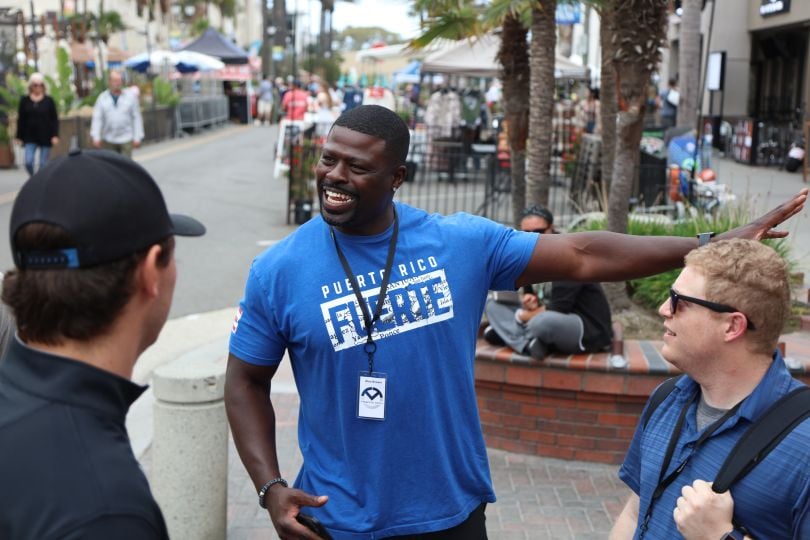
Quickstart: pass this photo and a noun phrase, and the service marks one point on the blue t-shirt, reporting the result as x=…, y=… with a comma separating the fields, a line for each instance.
x=771, y=501
x=424, y=468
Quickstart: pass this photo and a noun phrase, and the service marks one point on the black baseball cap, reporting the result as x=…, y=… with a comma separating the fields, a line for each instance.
x=107, y=204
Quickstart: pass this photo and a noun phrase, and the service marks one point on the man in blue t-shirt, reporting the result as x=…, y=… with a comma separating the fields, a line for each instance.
x=722, y=322
x=381, y=337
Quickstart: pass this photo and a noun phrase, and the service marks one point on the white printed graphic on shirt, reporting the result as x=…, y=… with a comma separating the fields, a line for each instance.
x=415, y=301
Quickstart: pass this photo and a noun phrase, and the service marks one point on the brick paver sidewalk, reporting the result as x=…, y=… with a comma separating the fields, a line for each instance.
x=538, y=498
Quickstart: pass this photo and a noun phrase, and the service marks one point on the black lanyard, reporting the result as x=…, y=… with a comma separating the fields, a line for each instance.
x=370, y=347
x=664, y=482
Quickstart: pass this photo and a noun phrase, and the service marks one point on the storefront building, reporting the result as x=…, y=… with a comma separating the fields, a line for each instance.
x=762, y=82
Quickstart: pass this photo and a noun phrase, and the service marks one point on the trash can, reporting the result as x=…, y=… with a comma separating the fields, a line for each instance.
x=652, y=179
x=238, y=108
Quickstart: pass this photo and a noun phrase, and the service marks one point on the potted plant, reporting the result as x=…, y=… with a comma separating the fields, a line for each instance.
x=6, y=147
x=304, y=155
x=9, y=103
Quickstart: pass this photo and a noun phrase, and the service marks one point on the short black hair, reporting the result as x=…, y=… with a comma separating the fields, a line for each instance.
x=538, y=211
x=381, y=123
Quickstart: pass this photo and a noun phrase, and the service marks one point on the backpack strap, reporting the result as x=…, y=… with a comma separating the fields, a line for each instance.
x=658, y=397
x=762, y=436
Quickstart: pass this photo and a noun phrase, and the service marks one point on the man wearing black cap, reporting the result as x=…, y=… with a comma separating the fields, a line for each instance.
x=93, y=244
x=568, y=317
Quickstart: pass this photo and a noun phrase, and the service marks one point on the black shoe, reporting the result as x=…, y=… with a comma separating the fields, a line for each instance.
x=492, y=337
x=536, y=349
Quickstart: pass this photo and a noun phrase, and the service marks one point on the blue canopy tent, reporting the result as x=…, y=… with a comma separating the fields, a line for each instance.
x=408, y=74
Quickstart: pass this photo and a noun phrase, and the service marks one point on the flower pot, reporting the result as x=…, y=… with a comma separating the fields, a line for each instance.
x=6, y=156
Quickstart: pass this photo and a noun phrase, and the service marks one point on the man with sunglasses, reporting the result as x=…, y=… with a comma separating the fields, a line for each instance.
x=722, y=321
x=572, y=317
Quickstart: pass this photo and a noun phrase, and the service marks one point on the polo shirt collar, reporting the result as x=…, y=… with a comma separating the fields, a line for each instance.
x=774, y=384
x=57, y=378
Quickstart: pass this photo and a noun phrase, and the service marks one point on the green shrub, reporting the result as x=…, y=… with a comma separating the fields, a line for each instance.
x=61, y=88
x=652, y=291
x=164, y=92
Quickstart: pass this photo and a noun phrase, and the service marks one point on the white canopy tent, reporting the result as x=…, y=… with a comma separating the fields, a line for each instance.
x=477, y=58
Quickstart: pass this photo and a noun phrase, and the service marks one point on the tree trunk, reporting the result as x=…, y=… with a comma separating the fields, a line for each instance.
x=629, y=124
x=689, y=63
x=513, y=55
x=637, y=54
x=279, y=20
x=541, y=101
x=325, y=35
x=639, y=30
x=607, y=97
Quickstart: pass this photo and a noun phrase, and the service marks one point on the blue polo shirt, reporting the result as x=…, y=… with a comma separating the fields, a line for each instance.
x=771, y=501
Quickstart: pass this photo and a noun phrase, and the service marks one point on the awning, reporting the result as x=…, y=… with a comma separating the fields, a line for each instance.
x=478, y=58
x=215, y=44
x=84, y=53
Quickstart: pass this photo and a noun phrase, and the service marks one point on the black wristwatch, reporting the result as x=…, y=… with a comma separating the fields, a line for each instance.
x=267, y=486
x=734, y=534
x=704, y=238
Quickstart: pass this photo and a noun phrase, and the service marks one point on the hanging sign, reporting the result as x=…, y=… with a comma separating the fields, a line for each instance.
x=568, y=14
x=774, y=7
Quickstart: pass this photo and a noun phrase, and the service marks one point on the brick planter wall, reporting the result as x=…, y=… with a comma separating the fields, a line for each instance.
x=576, y=407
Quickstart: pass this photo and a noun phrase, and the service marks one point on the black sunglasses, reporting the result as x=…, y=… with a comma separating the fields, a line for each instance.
x=674, y=297
x=541, y=231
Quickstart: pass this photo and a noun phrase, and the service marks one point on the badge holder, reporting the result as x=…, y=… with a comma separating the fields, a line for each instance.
x=371, y=394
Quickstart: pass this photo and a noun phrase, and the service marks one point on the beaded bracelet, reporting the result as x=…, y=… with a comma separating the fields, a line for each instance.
x=267, y=486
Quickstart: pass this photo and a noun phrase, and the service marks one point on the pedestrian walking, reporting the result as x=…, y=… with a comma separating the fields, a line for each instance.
x=668, y=100
x=93, y=248
x=37, y=123
x=265, y=105
x=381, y=336
x=295, y=102
x=117, y=124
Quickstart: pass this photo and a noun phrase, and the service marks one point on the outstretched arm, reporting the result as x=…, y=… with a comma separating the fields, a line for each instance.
x=606, y=256
x=253, y=423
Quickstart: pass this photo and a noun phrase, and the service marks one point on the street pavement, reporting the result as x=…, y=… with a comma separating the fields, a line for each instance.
x=209, y=176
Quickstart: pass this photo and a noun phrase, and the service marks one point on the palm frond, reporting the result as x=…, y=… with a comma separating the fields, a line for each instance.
x=458, y=24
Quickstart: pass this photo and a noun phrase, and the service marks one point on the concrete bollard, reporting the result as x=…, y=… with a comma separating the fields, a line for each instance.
x=189, y=472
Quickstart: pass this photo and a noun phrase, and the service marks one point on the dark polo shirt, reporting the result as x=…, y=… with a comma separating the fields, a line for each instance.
x=67, y=469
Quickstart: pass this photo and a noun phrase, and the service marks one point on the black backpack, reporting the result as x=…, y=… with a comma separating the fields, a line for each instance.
x=764, y=434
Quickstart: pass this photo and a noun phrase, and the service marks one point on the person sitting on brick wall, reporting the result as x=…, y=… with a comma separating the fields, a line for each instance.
x=567, y=316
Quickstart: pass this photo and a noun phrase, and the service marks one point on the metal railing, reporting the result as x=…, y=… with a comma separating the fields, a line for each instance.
x=197, y=112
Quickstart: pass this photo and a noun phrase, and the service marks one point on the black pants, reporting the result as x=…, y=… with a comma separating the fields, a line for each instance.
x=473, y=528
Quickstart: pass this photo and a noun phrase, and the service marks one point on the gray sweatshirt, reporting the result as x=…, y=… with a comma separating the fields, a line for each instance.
x=117, y=123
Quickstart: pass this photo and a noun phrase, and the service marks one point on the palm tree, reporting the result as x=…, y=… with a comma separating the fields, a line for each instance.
x=465, y=19
x=325, y=37
x=689, y=62
x=639, y=32
x=607, y=92
x=541, y=100
x=513, y=54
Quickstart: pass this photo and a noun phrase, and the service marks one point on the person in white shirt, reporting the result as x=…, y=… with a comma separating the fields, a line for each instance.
x=117, y=124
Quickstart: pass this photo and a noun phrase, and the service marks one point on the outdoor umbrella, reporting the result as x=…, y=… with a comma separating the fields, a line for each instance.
x=182, y=61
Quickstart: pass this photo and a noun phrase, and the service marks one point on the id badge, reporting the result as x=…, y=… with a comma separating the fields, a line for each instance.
x=371, y=396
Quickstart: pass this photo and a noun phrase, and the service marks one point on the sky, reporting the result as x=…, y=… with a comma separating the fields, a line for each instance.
x=389, y=14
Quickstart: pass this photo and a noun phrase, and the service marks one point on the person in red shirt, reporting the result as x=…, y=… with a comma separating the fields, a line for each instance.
x=295, y=102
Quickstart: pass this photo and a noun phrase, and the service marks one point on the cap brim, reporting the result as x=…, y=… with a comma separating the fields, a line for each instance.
x=186, y=225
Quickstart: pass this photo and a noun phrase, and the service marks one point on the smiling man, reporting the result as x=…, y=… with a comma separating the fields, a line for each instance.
x=722, y=322
x=378, y=305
